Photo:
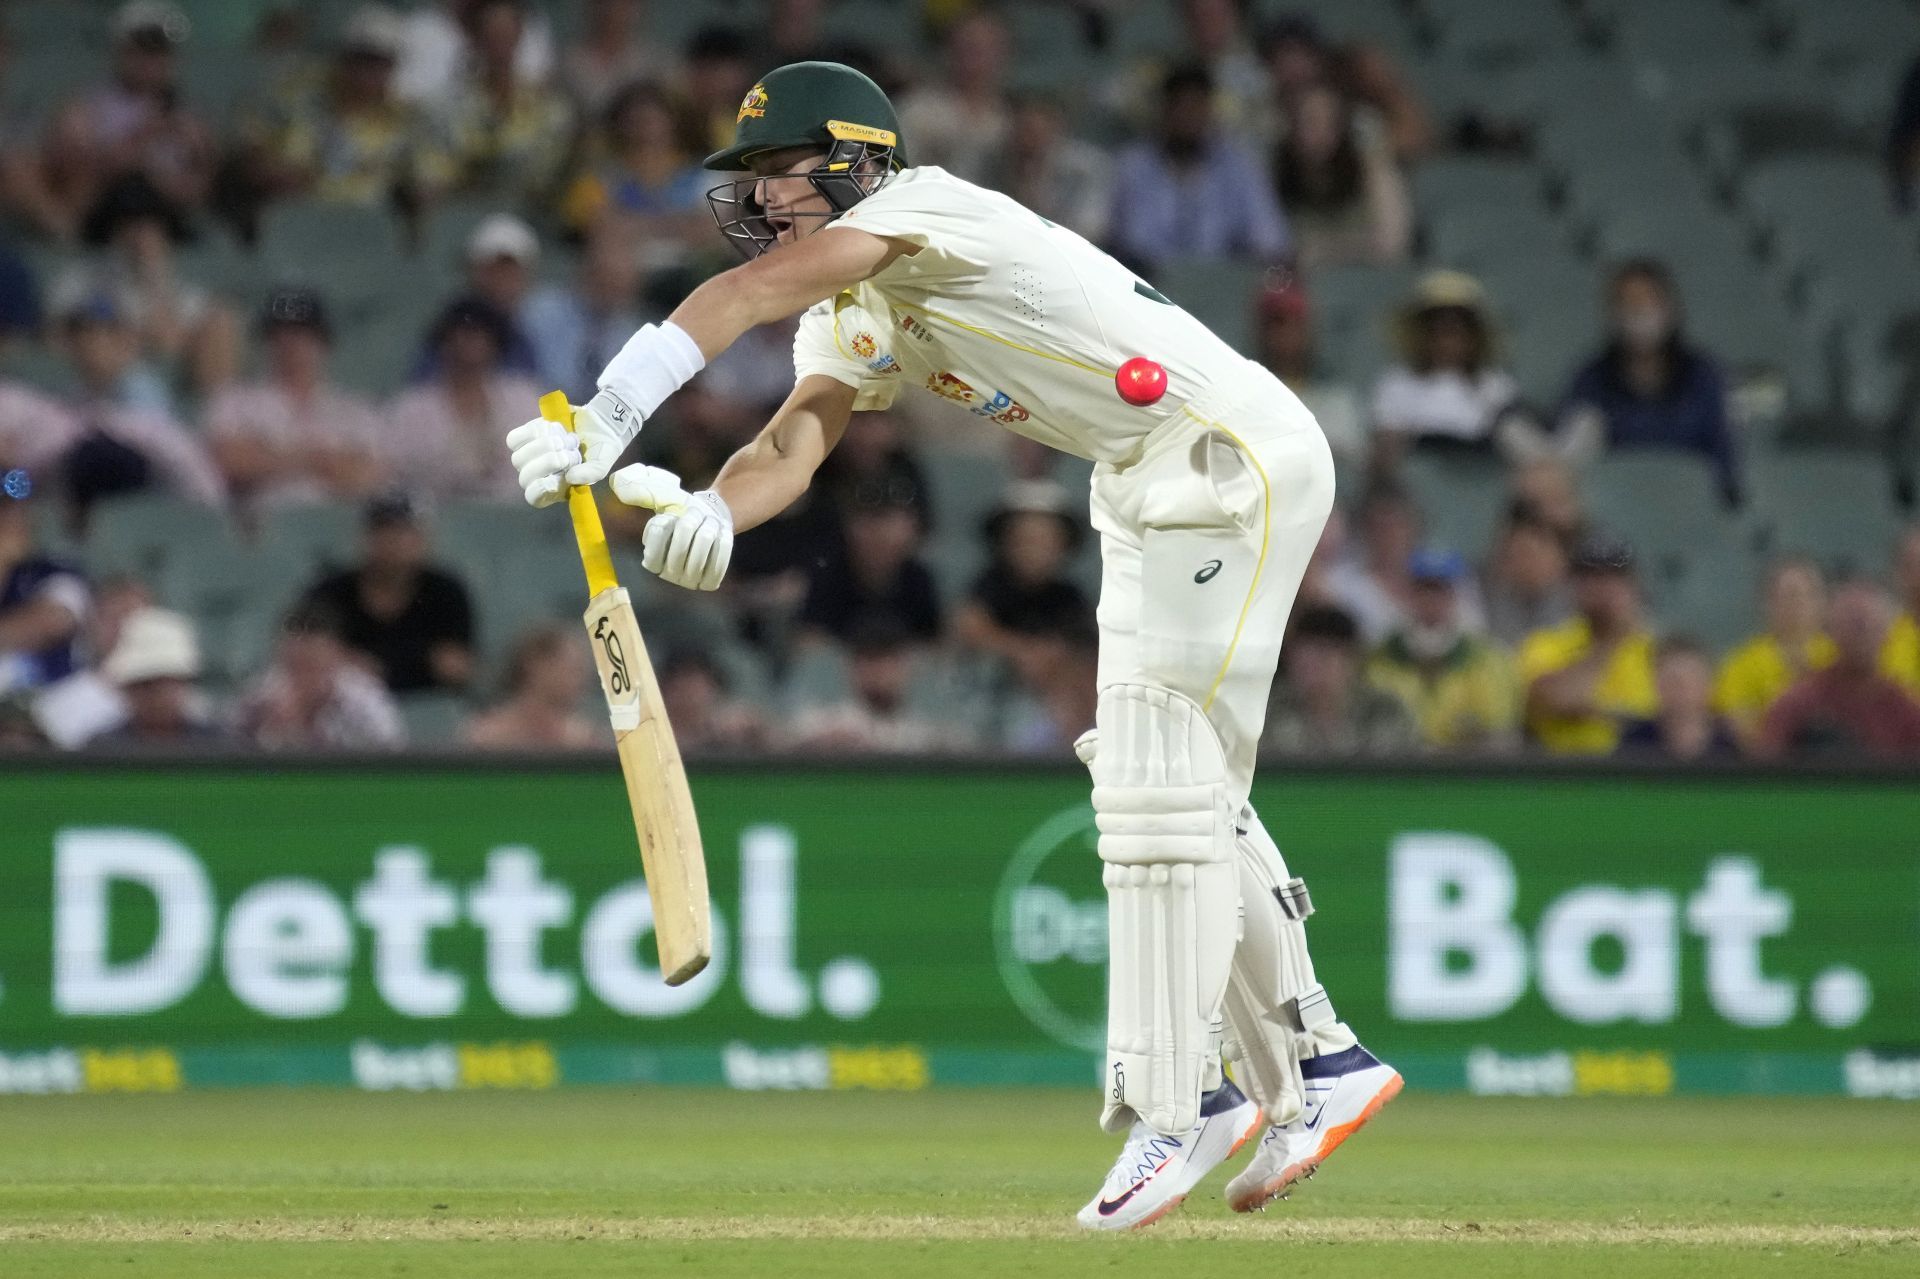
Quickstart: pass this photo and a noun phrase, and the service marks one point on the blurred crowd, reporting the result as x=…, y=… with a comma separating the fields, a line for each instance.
x=1261, y=142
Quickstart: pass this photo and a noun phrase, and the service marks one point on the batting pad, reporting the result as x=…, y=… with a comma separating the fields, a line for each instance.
x=1173, y=902
x=1276, y=1011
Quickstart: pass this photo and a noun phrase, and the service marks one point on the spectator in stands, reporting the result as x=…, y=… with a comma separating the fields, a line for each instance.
x=1025, y=593
x=346, y=135
x=135, y=123
x=1057, y=667
x=1340, y=186
x=961, y=120
x=121, y=438
x=1903, y=141
x=577, y=328
x=1297, y=57
x=156, y=666
x=502, y=255
x=876, y=718
x=1584, y=678
x=1323, y=705
x=1754, y=675
x=74, y=709
x=705, y=719
x=445, y=434
x=43, y=604
x=437, y=43
x=638, y=166
x=314, y=696
x=1193, y=191
x=19, y=291
x=1848, y=709
x=718, y=75
x=1448, y=389
x=1548, y=490
x=548, y=680
x=1527, y=587
x=1062, y=178
x=873, y=453
x=1900, y=657
x=92, y=329
x=879, y=575
x=409, y=621
x=294, y=436
x=509, y=137
x=1686, y=728
x=1288, y=348
x=136, y=229
x=1460, y=686
x=613, y=51
x=1651, y=387
x=1373, y=586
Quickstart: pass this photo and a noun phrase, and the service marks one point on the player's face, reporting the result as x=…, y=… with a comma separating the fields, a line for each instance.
x=794, y=207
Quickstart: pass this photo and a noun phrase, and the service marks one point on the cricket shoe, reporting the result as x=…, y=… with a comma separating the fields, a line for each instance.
x=1344, y=1090
x=1155, y=1172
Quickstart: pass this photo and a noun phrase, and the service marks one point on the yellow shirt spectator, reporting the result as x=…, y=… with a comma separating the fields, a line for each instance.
x=1623, y=688
x=1900, y=654
x=1754, y=675
x=1466, y=699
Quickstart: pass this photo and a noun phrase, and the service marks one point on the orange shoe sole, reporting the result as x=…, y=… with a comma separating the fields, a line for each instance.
x=1330, y=1141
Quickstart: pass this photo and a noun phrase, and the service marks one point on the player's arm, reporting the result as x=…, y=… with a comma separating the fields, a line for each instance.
x=776, y=285
x=769, y=474
x=662, y=358
x=689, y=540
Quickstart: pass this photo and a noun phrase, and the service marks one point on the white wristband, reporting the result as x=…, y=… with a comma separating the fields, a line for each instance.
x=655, y=362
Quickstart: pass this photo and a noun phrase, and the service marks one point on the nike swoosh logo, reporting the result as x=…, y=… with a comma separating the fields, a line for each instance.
x=1110, y=1206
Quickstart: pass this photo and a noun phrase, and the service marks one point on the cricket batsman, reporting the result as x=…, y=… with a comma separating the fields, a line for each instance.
x=1210, y=488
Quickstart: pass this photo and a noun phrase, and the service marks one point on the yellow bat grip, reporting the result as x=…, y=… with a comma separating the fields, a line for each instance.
x=594, y=556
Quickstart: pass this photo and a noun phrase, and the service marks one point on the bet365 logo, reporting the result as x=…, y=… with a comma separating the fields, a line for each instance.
x=1050, y=930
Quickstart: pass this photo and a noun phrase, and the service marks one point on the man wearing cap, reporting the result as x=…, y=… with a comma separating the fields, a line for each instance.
x=118, y=439
x=1024, y=591
x=135, y=122
x=294, y=436
x=1208, y=495
x=345, y=136
x=410, y=621
x=502, y=254
x=1585, y=678
x=1459, y=685
x=43, y=603
x=155, y=665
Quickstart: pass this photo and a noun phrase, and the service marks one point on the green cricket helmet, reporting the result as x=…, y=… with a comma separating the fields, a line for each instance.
x=806, y=104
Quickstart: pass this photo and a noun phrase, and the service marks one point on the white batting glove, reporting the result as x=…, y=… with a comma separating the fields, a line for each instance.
x=549, y=458
x=689, y=540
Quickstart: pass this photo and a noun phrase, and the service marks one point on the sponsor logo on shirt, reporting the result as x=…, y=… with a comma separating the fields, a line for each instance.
x=915, y=328
x=999, y=406
x=867, y=349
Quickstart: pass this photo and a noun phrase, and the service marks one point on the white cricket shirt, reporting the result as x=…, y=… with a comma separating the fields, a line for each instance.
x=1017, y=319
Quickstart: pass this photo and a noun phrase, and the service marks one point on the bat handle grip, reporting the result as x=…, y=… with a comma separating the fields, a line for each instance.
x=587, y=530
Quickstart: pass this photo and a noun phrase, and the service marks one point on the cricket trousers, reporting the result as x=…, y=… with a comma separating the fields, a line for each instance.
x=1203, y=542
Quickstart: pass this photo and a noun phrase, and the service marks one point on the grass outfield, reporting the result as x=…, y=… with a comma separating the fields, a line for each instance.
x=588, y=1183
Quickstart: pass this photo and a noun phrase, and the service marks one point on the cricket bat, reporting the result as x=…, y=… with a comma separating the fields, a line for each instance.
x=663, y=817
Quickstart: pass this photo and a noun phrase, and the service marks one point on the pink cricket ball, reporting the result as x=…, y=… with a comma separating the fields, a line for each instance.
x=1140, y=381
